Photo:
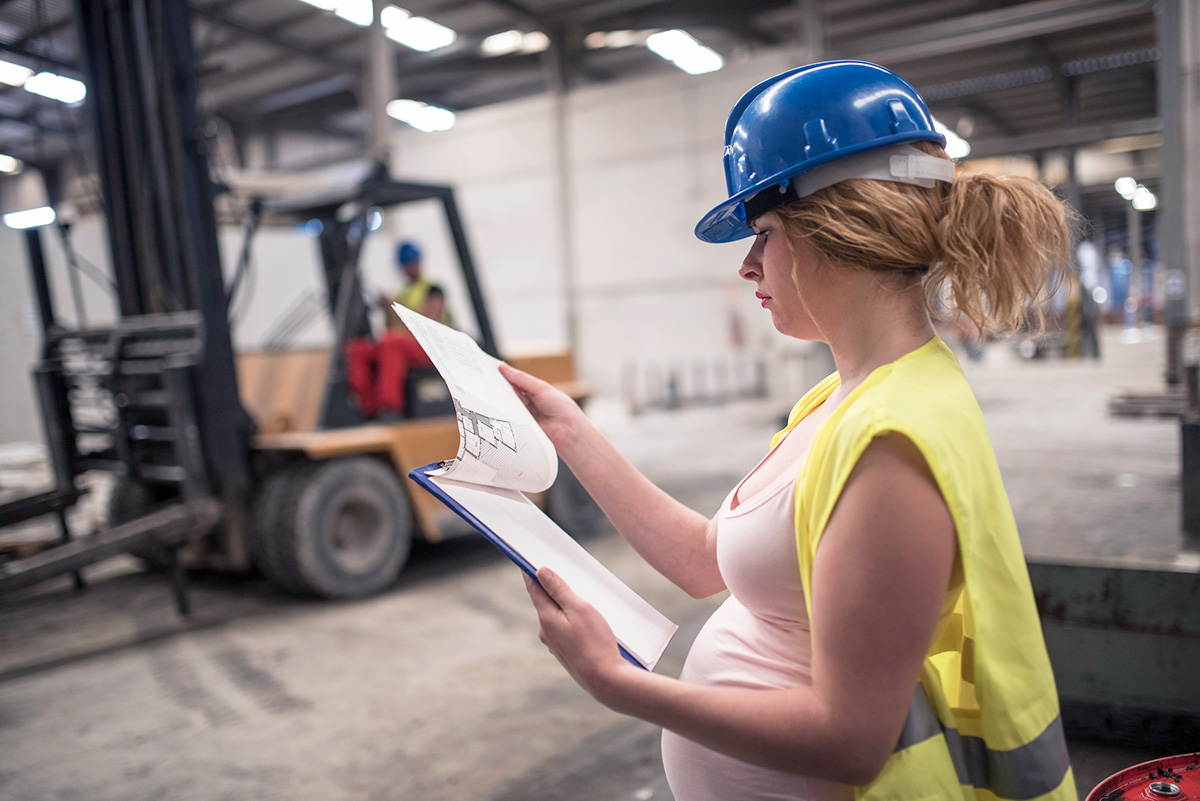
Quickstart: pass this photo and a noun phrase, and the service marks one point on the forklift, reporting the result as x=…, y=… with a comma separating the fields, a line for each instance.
x=219, y=460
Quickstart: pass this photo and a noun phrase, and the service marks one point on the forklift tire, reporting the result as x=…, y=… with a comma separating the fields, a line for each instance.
x=268, y=513
x=343, y=529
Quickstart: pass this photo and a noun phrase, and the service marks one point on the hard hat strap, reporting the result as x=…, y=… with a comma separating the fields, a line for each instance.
x=901, y=163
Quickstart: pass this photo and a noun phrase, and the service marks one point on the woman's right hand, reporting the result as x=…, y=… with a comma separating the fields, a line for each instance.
x=553, y=409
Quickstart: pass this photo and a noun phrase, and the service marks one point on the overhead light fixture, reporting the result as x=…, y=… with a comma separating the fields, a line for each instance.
x=956, y=146
x=535, y=42
x=9, y=164
x=417, y=33
x=501, y=44
x=374, y=218
x=615, y=39
x=1144, y=199
x=685, y=52
x=421, y=116
x=14, y=74
x=507, y=42
x=56, y=87
x=30, y=218
x=1141, y=197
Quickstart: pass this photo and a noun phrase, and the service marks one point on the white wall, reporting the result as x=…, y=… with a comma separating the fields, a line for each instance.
x=643, y=164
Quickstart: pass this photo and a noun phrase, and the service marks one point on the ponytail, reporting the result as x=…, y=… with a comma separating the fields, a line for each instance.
x=990, y=249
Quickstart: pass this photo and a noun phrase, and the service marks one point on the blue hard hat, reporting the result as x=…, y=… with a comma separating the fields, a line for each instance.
x=407, y=253
x=807, y=117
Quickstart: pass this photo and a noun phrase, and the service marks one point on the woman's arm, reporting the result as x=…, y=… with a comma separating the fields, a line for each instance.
x=879, y=578
x=677, y=541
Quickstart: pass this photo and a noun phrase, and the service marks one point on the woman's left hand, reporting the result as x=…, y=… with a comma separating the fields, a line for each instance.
x=578, y=636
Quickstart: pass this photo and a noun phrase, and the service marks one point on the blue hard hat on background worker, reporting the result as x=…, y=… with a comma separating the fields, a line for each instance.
x=811, y=127
x=407, y=253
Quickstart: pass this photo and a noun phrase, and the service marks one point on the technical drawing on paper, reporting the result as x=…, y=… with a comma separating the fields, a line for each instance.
x=480, y=431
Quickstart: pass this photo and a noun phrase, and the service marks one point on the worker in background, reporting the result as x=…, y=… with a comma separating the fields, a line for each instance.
x=880, y=639
x=378, y=372
x=416, y=290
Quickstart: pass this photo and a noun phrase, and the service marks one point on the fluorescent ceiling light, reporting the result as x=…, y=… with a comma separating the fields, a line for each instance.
x=1144, y=199
x=1125, y=187
x=421, y=116
x=685, y=52
x=56, y=87
x=535, y=42
x=14, y=74
x=420, y=33
x=360, y=12
x=393, y=15
x=599, y=39
x=30, y=218
x=502, y=44
x=956, y=146
x=9, y=164
x=417, y=33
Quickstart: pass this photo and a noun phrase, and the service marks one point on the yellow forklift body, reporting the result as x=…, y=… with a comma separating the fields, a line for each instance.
x=282, y=390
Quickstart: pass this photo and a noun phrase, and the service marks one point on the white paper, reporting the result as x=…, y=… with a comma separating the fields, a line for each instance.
x=499, y=442
x=502, y=453
x=639, y=627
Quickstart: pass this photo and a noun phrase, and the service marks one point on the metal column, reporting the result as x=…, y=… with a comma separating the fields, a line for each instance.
x=1179, y=108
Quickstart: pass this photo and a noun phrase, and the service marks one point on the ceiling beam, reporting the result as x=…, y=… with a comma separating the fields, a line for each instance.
x=518, y=9
x=280, y=43
x=1063, y=138
x=610, y=8
x=30, y=119
x=24, y=53
x=986, y=28
x=221, y=8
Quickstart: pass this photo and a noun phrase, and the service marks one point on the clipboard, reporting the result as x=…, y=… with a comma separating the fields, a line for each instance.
x=422, y=476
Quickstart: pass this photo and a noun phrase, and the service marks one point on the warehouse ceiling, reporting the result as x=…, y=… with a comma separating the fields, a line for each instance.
x=1030, y=77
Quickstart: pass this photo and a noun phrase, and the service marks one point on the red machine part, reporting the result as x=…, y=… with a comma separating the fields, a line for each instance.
x=1174, y=778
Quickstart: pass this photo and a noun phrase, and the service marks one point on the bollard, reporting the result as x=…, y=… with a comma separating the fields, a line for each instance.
x=1189, y=428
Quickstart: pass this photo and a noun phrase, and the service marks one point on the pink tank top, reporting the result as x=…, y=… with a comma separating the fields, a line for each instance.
x=758, y=638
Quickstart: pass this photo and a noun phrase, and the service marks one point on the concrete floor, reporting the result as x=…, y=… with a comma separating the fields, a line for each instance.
x=438, y=689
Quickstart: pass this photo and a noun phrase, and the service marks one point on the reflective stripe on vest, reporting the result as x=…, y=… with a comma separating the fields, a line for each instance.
x=1028, y=771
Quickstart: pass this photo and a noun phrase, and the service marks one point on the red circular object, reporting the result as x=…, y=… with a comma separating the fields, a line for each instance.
x=1174, y=778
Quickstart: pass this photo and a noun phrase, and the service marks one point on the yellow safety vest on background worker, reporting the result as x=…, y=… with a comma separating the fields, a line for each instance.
x=984, y=722
x=413, y=297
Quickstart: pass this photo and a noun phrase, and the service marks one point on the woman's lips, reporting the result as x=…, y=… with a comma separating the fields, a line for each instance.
x=763, y=298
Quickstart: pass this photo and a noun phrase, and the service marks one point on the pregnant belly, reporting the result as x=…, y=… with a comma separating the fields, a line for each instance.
x=737, y=649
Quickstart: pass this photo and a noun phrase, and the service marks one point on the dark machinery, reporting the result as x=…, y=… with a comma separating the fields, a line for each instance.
x=218, y=460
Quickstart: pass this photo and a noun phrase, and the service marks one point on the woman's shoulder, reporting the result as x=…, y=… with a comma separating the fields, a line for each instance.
x=925, y=392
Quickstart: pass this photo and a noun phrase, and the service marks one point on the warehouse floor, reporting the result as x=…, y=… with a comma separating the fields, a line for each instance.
x=438, y=690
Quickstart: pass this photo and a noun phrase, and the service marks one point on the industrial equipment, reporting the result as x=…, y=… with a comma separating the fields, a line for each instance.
x=220, y=460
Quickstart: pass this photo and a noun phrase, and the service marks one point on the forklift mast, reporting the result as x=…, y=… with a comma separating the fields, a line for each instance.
x=158, y=200
x=152, y=399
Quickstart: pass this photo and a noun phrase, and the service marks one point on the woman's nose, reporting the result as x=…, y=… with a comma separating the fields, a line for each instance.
x=751, y=268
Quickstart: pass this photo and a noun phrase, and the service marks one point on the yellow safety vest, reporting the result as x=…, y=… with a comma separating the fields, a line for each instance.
x=413, y=297
x=984, y=722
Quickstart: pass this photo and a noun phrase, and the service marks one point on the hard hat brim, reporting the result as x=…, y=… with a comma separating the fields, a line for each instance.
x=727, y=221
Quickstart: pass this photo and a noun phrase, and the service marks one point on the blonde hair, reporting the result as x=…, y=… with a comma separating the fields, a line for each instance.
x=989, y=248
